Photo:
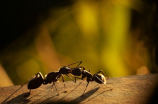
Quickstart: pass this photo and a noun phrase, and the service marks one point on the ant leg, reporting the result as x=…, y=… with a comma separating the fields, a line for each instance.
x=64, y=83
x=81, y=81
x=76, y=78
x=100, y=80
x=85, y=88
x=103, y=74
x=52, y=87
x=55, y=87
x=75, y=63
x=30, y=91
x=70, y=78
x=103, y=83
x=100, y=72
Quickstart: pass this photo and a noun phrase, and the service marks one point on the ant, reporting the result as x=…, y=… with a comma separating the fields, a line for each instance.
x=54, y=76
x=98, y=77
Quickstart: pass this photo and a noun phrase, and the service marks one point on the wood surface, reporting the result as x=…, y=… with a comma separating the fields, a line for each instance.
x=136, y=89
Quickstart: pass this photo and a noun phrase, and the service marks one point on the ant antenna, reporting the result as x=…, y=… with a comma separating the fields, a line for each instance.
x=75, y=63
x=70, y=78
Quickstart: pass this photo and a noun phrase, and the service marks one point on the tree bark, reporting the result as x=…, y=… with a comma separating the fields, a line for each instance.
x=138, y=89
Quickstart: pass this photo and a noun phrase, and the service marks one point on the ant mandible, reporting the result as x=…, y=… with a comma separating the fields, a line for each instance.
x=54, y=76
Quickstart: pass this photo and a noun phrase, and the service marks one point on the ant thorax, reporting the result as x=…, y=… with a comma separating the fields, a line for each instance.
x=52, y=76
x=85, y=71
x=87, y=74
x=65, y=70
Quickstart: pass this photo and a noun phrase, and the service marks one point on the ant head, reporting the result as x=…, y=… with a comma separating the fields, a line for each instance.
x=65, y=70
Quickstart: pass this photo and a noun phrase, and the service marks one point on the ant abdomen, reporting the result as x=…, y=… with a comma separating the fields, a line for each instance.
x=99, y=78
x=35, y=83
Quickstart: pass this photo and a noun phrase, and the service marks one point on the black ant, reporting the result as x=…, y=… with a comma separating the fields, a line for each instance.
x=54, y=76
x=98, y=77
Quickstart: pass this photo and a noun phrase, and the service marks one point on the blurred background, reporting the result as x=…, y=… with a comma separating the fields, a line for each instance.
x=116, y=36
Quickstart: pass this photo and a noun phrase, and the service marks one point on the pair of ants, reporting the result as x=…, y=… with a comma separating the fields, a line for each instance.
x=54, y=76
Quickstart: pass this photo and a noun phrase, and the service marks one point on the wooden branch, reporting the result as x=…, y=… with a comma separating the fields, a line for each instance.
x=131, y=89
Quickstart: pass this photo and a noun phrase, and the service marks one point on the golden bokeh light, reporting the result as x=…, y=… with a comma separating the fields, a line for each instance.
x=97, y=32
